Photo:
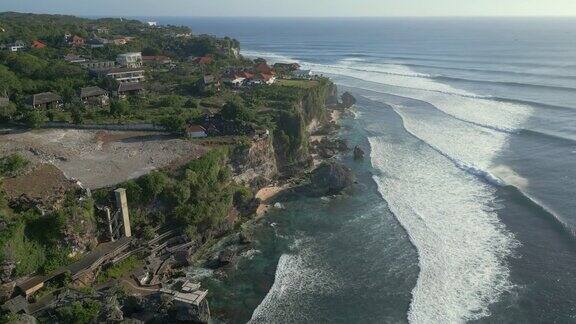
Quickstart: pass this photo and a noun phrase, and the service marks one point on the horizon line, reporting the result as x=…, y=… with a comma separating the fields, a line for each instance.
x=292, y=17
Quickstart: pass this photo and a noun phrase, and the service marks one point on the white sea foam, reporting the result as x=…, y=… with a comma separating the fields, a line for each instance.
x=270, y=57
x=461, y=243
x=298, y=276
x=461, y=104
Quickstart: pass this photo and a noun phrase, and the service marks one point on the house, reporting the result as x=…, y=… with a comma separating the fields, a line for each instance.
x=129, y=89
x=237, y=78
x=263, y=78
x=120, y=74
x=156, y=59
x=76, y=41
x=17, y=46
x=303, y=74
x=45, y=100
x=38, y=44
x=94, y=96
x=209, y=82
x=102, y=30
x=97, y=42
x=121, y=40
x=130, y=60
x=195, y=131
x=202, y=60
x=152, y=23
x=97, y=65
x=72, y=58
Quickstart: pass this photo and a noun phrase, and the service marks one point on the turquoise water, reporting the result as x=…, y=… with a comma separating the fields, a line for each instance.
x=464, y=211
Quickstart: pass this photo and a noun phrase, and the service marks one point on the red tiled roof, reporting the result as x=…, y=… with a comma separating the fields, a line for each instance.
x=203, y=60
x=38, y=44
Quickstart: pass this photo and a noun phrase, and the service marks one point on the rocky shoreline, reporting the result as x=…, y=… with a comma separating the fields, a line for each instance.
x=325, y=177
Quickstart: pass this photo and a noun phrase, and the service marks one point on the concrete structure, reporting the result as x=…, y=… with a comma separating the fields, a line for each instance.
x=121, y=74
x=122, y=205
x=93, y=260
x=97, y=42
x=130, y=60
x=152, y=23
x=195, y=131
x=95, y=65
x=71, y=58
x=190, y=303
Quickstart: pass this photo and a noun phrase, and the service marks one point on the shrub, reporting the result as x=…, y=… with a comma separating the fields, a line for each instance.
x=12, y=165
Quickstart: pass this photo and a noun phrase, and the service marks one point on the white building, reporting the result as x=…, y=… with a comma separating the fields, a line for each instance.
x=130, y=60
x=152, y=23
x=195, y=131
x=17, y=46
x=303, y=74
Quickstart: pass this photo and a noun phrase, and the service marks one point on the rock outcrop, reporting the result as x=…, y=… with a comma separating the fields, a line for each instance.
x=254, y=164
x=358, y=153
x=348, y=100
x=331, y=178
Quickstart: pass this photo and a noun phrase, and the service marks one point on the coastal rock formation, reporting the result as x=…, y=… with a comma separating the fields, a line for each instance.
x=358, y=153
x=254, y=164
x=331, y=178
x=327, y=148
x=348, y=100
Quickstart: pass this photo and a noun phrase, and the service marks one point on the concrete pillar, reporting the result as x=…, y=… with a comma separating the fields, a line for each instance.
x=122, y=204
x=109, y=220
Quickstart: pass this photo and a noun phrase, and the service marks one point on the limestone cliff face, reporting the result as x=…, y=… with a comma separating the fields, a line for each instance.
x=291, y=139
x=255, y=165
x=286, y=151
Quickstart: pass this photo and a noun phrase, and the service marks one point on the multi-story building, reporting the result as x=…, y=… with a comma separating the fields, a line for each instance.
x=130, y=60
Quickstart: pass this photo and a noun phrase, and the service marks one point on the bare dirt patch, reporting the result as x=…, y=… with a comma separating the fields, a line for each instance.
x=101, y=158
x=44, y=184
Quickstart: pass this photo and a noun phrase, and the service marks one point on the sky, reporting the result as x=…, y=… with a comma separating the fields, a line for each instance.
x=295, y=8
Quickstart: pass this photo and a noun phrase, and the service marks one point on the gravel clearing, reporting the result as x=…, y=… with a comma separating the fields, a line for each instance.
x=101, y=158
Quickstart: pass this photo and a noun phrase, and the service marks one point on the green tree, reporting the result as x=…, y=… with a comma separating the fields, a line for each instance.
x=175, y=124
x=79, y=312
x=153, y=184
x=34, y=118
x=236, y=110
x=11, y=165
x=8, y=112
x=120, y=108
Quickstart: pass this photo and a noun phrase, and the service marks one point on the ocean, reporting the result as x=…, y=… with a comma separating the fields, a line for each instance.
x=464, y=211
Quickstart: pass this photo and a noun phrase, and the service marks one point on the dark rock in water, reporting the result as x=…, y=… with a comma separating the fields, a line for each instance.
x=222, y=258
x=348, y=100
x=358, y=153
x=331, y=178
